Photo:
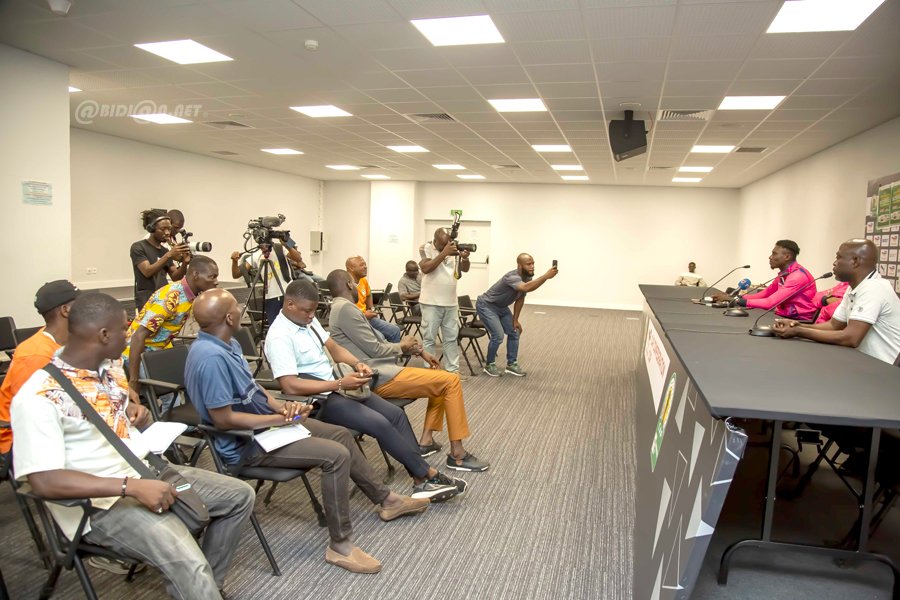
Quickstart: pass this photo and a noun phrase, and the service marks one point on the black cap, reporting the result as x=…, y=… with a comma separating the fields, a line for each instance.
x=53, y=294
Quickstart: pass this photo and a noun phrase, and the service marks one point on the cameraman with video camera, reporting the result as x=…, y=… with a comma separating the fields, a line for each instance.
x=152, y=261
x=279, y=272
x=442, y=264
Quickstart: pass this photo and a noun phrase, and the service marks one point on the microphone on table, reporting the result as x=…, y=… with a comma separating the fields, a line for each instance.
x=767, y=330
x=743, y=284
x=703, y=296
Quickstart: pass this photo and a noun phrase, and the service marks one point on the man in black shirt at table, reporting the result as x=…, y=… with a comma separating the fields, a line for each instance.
x=152, y=261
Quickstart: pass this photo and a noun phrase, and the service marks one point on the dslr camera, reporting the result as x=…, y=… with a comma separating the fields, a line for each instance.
x=262, y=230
x=195, y=246
x=454, y=232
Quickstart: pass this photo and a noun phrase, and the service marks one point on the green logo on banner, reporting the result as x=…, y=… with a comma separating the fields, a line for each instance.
x=661, y=424
x=455, y=212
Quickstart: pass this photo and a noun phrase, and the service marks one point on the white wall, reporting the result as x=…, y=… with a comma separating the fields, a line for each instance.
x=608, y=239
x=113, y=179
x=818, y=202
x=34, y=146
x=345, y=218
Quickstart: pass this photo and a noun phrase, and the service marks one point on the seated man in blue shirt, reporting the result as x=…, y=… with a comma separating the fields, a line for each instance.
x=493, y=310
x=220, y=386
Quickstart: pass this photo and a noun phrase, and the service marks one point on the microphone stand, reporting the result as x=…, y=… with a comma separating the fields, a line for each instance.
x=738, y=311
x=703, y=295
x=767, y=330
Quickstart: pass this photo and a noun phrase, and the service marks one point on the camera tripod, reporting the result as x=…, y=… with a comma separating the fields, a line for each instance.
x=261, y=294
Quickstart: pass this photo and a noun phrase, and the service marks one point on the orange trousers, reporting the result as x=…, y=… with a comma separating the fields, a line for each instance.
x=444, y=393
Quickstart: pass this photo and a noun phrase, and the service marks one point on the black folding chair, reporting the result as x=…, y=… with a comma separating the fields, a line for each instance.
x=408, y=322
x=260, y=475
x=25, y=333
x=164, y=376
x=70, y=554
x=7, y=342
x=470, y=331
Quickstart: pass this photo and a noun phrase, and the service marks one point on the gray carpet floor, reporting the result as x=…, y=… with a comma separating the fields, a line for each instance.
x=552, y=518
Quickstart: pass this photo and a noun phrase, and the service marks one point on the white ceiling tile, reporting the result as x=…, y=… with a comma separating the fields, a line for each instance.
x=561, y=73
x=618, y=89
x=763, y=87
x=396, y=95
x=558, y=104
x=859, y=67
x=540, y=26
x=799, y=68
x=641, y=49
x=423, y=58
x=431, y=77
x=745, y=18
x=692, y=88
x=376, y=80
x=348, y=12
x=494, y=75
x=641, y=21
x=479, y=55
x=444, y=93
x=702, y=70
x=690, y=102
x=384, y=36
x=567, y=90
x=799, y=45
x=723, y=47
x=578, y=115
x=551, y=53
x=631, y=71
x=432, y=9
x=834, y=86
x=514, y=90
x=502, y=6
x=803, y=101
x=267, y=15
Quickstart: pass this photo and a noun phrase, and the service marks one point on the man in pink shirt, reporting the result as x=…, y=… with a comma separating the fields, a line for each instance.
x=828, y=300
x=792, y=291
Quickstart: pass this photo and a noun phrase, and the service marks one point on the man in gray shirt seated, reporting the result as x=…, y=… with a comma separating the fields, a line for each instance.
x=410, y=285
x=493, y=310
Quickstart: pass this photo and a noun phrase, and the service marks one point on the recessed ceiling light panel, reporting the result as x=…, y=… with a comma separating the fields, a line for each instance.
x=466, y=176
x=750, y=102
x=449, y=167
x=408, y=149
x=344, y=167
x=375, y=176
x=281, y=151
x=519, y=105
x=686, y=179
x=712, y=149
x=161, y=119
x=567, y=167
x=575, y=177
x=73, y=89
x=325, y=110
x=822, y=15
x=551, y=148
x=459, y=31
x=184, y=52
x=694, y=169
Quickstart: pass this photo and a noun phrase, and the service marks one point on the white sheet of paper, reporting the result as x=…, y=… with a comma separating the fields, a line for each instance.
x=161, y=434
x=275, y=438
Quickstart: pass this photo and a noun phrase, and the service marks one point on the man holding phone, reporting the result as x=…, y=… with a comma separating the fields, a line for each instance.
x=493, y=310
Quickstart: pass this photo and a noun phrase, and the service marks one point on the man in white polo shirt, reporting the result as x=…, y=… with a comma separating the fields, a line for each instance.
x=868, y=317
x=438, y=296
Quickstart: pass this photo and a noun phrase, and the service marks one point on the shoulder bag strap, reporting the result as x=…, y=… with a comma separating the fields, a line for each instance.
x=88, y=411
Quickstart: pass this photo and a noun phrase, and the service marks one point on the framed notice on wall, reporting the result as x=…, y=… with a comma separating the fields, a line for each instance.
x=883, y=224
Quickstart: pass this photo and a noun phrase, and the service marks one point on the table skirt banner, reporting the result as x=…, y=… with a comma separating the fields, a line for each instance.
x=686, y=459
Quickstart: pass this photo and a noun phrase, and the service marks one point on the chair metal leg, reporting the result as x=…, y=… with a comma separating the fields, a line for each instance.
x=50, y=584
x=84, y=578
x=268, y=497
x=265, y=544
x=320, y=513
x=391, y=469
x=33, y=529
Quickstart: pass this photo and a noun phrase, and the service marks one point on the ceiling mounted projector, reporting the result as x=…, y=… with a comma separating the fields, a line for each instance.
x=627, y=138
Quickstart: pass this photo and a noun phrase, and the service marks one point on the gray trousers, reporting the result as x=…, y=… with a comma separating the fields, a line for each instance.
x=332, y=449
x=446, y=320
x=163, y=541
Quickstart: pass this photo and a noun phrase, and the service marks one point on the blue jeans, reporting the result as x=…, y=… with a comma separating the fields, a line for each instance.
x=390, y=331
x=498, y=320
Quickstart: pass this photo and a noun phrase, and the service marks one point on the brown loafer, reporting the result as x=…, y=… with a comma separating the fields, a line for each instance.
x=409, y=506
x=357, y=562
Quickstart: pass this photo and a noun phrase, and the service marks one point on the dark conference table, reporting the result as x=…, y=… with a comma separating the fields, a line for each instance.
x=739, y=375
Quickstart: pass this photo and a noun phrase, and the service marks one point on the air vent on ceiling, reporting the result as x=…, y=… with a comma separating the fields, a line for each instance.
x=507, y=167
x=227, y=125
x=430, y=118
x=661, y=168
x=684, y=115
x=753, y=149
x=225, y=152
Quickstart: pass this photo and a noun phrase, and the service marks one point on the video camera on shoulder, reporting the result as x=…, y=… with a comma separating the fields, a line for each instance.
x=454, y=232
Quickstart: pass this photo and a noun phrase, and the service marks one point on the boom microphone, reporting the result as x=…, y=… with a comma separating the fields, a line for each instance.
x=703, y=295
x=766, y=330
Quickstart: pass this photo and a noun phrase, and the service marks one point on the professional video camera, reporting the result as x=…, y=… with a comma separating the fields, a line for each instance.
x=196, y=246
x=454, y=231
x=262, y=230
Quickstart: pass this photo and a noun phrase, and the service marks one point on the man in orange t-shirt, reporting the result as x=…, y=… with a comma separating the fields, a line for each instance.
x=358, y=269
x=52, y=301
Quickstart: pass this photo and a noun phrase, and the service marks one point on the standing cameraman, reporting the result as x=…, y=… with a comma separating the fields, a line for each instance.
x=279, y=266
x=151, y=261
x=438, y=296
